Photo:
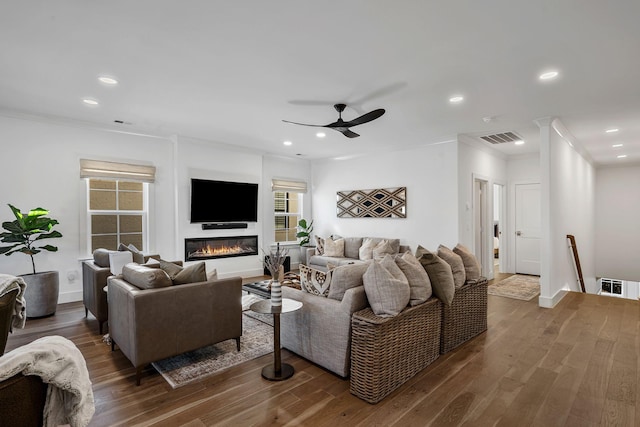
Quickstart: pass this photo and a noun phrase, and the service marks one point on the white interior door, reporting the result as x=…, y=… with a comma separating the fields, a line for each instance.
x=480, y=219
x=528, y=228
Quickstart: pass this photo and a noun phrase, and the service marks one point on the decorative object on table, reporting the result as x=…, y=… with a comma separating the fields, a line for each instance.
x=376, y=203
x=24, y=235
x=274, y=262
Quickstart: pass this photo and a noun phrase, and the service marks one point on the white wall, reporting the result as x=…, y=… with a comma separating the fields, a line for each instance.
x=617, y=226
x=41, y=168
x=568, y=207
x=430, y=175
x=478, y=162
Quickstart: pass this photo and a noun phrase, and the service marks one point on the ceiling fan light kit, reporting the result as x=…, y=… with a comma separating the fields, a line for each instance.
x=342, y=126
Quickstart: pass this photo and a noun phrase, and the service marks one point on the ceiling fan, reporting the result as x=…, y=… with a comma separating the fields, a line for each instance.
x=342, y=126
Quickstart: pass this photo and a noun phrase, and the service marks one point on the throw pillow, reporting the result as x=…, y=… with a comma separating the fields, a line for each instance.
x=314, y=281
x=387, y=295
x=138, y=257
x=383, y=248
x=101, y=257
x=145, y=277
x=440, y=274
x=334, y=248
x=319, y=245
x=471, y=264
x=182, y=275
x=345, y=277
x=419, y=283
x=212, y=275
x=366, y=250
x=391, y=266
x=457, y=266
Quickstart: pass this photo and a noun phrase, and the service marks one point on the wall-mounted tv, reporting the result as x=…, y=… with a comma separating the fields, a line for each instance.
x=223, y=201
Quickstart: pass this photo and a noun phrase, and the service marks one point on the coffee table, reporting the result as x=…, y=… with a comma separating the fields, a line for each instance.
x=278, y=371
x=260, y=288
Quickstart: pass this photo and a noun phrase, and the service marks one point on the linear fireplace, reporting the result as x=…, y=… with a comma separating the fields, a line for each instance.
x=219, y=247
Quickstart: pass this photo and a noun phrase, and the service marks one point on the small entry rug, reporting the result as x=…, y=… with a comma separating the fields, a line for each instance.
x=518, y=286
x=256, y=341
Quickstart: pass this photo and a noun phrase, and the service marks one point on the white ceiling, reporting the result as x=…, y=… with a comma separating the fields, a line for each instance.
x=231, y=71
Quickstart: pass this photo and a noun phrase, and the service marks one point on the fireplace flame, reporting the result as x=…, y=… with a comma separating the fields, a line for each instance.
x=208, y=250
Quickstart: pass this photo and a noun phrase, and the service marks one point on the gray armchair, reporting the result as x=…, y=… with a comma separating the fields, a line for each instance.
x=153, y=324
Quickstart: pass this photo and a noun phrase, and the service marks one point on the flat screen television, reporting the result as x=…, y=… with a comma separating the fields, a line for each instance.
x=223, y=201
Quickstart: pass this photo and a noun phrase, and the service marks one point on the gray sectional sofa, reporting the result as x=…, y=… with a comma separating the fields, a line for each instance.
x=351, y=252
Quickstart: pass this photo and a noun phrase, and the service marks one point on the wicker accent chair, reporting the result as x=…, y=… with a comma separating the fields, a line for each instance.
x=388, y=351
x=466, y=317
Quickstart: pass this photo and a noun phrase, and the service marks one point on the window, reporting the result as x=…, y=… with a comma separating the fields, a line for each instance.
x=117, y=213
x=288, y=206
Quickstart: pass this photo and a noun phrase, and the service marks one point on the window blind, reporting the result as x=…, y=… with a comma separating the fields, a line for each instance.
x=125, y=171
x=288, y=186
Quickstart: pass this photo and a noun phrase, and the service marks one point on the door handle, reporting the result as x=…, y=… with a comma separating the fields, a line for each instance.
x=518, y=233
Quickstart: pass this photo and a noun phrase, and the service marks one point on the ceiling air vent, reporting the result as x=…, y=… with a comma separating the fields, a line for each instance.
x=501, y=138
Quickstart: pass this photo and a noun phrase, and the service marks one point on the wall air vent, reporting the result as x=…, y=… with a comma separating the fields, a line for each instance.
x=501, y=138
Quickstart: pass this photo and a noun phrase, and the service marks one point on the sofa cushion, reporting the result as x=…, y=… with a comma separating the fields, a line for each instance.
x=314, y=281
x=334, y=248
x=455, y=261
x=145, y=277
x=419, y=283
x=366, y=250
x=345, y=277
x=383, y=248
x=390, y=264
x=182, y=275
x=471, y=264
x=352, y=247
x=440, y=274
x=101, y=257
x=324, y=261
x=387, y=295
x=138, y=256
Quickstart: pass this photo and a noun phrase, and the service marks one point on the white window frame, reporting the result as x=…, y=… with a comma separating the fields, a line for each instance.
x=277, y=214
x=144, y=212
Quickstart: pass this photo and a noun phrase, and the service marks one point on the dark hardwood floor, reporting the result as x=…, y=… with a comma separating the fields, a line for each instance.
x=574, y=365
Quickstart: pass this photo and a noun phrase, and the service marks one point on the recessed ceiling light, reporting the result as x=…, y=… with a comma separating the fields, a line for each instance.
x=108, y=80
x=90, y=101
x=287, y=143
x=456, y=99
x=612, y=130
x=549, y=75
x=622, y=156
x=321, y=134
x=617, y=145
x=518, y=142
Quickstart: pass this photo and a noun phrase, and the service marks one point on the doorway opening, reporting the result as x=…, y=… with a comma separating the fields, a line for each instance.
x=499, y=244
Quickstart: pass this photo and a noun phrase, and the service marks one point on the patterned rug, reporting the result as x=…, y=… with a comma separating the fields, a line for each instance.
x=517, y=286
x=256, y=341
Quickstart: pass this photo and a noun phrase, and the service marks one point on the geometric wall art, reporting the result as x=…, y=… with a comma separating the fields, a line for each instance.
x=377, y=203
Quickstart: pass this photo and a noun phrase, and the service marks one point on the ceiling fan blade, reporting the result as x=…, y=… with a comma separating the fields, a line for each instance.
x=304, y=124
x=348, y=133
x=372, y=115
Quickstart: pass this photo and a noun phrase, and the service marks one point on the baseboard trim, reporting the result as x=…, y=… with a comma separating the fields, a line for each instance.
x=546, y=302
x=66, y=297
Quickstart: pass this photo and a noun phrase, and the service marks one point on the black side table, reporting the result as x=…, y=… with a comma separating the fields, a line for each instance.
x=278, y=371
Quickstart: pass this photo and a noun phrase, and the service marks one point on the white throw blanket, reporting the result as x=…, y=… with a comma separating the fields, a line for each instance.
x=9, y=283
x=60, y=364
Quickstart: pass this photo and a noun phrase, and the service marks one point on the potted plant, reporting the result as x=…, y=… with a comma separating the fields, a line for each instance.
x=304, y=234
x=25, y=234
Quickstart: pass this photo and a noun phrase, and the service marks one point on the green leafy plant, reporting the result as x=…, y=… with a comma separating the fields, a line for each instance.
x=304, y=231
x=23, y=234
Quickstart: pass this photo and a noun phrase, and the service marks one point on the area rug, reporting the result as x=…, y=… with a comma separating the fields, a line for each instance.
x=256, y=341
x=517, y=286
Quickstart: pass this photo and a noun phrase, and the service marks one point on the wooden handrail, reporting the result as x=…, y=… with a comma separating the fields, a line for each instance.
x=574, y=249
